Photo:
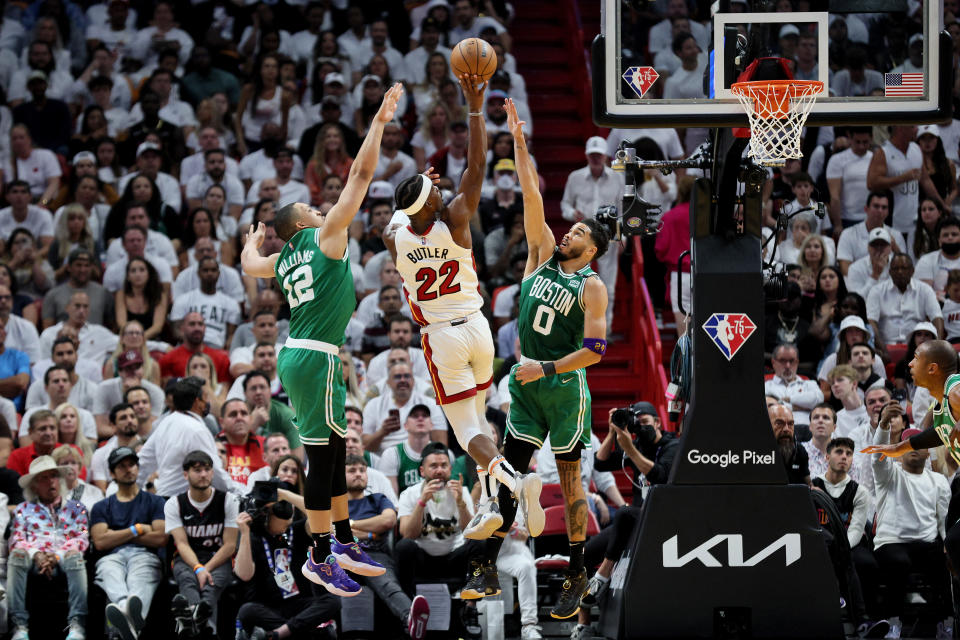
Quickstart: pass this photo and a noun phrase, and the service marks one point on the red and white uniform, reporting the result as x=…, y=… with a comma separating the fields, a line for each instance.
x=441, y=286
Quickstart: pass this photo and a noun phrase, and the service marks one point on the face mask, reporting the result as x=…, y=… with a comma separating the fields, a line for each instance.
x=505, y=182
x=646, y=435
x=950, y=248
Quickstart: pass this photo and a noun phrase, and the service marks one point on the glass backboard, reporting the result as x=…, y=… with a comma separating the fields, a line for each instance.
x=671, y=62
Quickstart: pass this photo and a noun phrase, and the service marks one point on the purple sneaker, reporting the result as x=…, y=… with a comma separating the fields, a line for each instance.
x=354, y=559
x=330, y=576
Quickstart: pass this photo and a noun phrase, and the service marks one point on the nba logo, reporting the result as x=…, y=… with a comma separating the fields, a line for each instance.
x=729, y=331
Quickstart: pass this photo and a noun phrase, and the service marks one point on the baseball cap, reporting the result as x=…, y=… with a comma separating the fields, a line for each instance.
x=854, y=322
x=370, y=78
x=909, y=433
x=36, y=74
x=79, y=253
x=596, y=144
x=917, y=37
x=505, y=164
x=420, y=406
x=147, y=146
x=119, y=454
x=333, y=77
x=130, y=358
x=84, y=155
x=433, y=447
x=879, y=234
x=789, y=30
x=380, y=190
x=928, y=129
x=496, y=93
x=644, y=408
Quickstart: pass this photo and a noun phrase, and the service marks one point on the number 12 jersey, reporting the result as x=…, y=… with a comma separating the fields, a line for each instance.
x=439, y=276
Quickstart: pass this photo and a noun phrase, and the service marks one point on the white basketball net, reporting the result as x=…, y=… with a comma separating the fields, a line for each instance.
x=777, y=111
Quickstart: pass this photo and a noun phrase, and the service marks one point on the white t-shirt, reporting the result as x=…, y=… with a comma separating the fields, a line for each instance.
x=36, y=169
x=38, y=221
x=87, y=423
x=852, y=169
x=229, y=283
x=951, y=318
x=116, y=273
x=934, y=267
x=167, y=185
x=906, y=195
x=409, y=168
x=157, y=244
x=853, y=241
x=197, y=185
x=441, y=530
x=218, y=310
x=378, y=410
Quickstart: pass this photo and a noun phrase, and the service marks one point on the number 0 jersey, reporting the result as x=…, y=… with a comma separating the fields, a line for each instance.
x=319, y=290
x=550, y=321
x=439, y=276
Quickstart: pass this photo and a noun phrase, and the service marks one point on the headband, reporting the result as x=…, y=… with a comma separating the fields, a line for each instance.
x=425, y=186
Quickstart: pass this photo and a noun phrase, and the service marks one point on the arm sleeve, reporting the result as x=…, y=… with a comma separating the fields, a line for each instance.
x=929, y=439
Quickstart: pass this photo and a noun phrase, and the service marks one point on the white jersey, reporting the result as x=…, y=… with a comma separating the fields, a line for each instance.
x=439, y=276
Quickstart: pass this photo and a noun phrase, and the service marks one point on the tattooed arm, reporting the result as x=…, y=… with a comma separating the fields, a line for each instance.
x=574, y=499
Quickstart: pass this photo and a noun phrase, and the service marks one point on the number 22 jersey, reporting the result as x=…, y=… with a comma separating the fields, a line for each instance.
x=319, y=290
x=439, y=276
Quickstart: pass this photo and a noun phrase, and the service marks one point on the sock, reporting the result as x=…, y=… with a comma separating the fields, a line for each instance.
x=493, y=488
x=342, y=531
x=321, y=546
x=576, y=556
x=484, y=488
x=492, y=548
x=500, y=469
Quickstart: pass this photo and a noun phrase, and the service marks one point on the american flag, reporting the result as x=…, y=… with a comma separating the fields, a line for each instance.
x=898, y=85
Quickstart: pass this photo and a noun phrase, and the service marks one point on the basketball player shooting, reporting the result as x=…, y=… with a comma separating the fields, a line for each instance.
x=313, y=268
x=434, y=255
x=562, y=326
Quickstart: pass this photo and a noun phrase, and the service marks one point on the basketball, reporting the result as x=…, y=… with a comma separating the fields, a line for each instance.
x=473, y=56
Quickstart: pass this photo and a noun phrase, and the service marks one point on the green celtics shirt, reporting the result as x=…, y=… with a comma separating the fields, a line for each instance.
x=319, y=290
x=943, y=420
x=550, y=321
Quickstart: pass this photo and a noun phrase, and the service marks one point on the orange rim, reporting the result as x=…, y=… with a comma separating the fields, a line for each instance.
x=773, y=96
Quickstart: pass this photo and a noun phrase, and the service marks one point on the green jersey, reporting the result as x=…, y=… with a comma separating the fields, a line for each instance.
x=408, y=468
x=319, y=290
x=943, y=420
x=550, y=321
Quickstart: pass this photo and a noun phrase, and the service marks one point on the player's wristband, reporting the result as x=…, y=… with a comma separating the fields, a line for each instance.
x=549, y=369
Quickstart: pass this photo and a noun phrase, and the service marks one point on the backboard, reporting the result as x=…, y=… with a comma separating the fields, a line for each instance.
x=881, y=61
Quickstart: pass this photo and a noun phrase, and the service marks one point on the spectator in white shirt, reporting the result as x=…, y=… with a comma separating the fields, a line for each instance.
x=163, y=34
x=114, y=33
x=215, y=172
x=853, y=240
x=38, y=167
x=823, y=423
x=846, y=174
x=95, y=341
x=799, y=394
x=416, y=61
x=867, y=272
x=83, y=390
x=394, y=165
x=400, y=334
x=134, y=242
x=158, y=244
x=661, y=34
x=934, y=267
x=111, y=391
x=912, y=503
x=852, y=421
x=175, y=111
x=384, y=416
x=897, y=167
x=57, y=385
x=149, y=161
x=895, y=306
x=220, y=312
x=265, y=331
x=123, y=424
x=228, y=283
x=181, y=432
x=377, y=44
x=290, y=190
x=275, y=447
x=21, y=213
x=40, y=57
x=466, y=24
x=207, y=138
x=398, y=457
x=586, y=190
x=20, y=334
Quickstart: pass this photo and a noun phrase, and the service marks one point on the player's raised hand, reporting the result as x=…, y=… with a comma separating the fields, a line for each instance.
x=473, y=90
x=431, y=173
x=389, y=105
x=514, y=123
x=255, y=238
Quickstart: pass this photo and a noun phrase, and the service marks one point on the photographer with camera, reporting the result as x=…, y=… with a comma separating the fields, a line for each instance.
x=637, y=440
x=280, y=601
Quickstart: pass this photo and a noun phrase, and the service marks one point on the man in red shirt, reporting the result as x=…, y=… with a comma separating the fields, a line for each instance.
x=244, y=449
x=44, y=436
x=173, y=364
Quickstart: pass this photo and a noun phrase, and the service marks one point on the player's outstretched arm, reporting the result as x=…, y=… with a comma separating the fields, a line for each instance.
x=540, y=240
x=594, y=327
x=363, y=168
x=253, y=263
x=465, y=204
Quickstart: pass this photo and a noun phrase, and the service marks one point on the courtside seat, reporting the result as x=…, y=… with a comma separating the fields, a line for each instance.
x=551, y=495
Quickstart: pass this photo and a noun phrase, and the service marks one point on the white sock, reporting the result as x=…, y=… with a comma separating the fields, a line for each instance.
x=482, y=476
x=500, y=469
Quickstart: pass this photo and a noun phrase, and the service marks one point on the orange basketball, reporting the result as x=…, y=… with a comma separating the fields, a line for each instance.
x=473, y=56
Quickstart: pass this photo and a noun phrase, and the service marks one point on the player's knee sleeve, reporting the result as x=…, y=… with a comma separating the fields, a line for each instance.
x=464, y=421
x=317, y=491
x=338, y=479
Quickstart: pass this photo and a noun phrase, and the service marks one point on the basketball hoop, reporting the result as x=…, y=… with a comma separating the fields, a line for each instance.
x=777, y=110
